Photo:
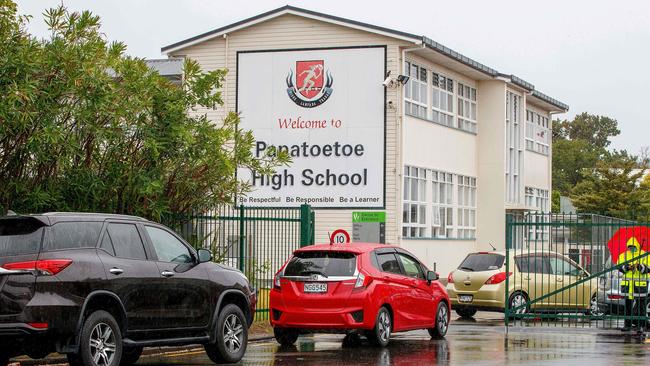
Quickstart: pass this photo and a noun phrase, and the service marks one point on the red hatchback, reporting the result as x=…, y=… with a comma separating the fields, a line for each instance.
x=373, y=288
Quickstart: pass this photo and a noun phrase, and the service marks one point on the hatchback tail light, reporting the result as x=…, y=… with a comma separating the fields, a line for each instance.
x=276, y=281
x=46, y=267
x=362, y=281
x=497, y=278
x=450, y=278
x=615, y=297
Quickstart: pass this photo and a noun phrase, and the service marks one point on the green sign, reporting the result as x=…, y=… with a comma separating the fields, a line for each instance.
x=369, y=216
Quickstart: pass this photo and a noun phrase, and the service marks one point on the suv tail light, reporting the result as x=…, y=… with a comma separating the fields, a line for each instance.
x=362, y=281
x=46, y=267
x=450, y=278
x=497, y=278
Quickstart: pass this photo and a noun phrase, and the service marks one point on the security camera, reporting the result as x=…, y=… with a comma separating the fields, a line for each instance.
x=389, y=81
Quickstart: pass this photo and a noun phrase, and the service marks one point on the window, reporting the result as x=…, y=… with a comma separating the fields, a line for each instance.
x=414, y=216
x=126, y=241
x=329, y=263
x=107, y=245
x=444, y=95
x=466, y=108
x=167, y=247
x=466, y=207
x=538, y=200
x=411, y=266
x=538, y=132
x=514, y=151
x=442, y=199
x=20, y=236
x=560, y=267
x=480, y=262
x=388, y=263
x=448, y=212
x=415, y=91
x=70, y=235
x=442, y=100
x=533, y=264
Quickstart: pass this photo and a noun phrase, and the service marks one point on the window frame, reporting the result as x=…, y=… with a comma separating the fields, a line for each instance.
x=190, y=249
x=537, y=123
x=423, y=85
x=421, y=272
x=433, y=112
x=462, y=98
x=378, y=253
x=419, y=226
x=148, y=250
x=441, y=219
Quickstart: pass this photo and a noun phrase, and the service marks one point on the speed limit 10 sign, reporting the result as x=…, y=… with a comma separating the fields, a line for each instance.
x=340, y=236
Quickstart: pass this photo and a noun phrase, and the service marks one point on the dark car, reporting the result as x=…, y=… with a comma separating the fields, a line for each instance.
x=100, y=287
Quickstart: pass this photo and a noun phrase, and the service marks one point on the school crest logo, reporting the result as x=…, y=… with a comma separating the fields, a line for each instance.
x=311, y=85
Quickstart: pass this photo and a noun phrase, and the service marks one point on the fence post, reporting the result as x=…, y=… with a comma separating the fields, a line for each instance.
x=305, y=227
x=506, y=307
x=242, y=238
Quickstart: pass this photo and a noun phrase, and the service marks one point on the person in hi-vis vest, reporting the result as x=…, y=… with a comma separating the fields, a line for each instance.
x=634, y=285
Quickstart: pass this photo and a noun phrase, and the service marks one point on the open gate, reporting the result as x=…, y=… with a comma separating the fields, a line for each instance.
x=564, y=271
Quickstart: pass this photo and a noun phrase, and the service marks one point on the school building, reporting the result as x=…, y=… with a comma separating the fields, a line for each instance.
x=394, y=137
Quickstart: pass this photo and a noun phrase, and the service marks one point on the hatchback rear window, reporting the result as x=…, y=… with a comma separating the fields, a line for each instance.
x=322, y=263
x=71, y=235
x=477, y=262
x=20, y=236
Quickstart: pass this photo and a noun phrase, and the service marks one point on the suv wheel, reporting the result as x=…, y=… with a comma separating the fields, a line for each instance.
x=466, y=312
x=380, y=335
x=130, y=355
x=442, y=322
x=232, y=336
x=285, y=336
x=100, y=342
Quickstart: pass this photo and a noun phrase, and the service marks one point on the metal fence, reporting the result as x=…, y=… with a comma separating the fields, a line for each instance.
x=564, y=270
x=256, y=240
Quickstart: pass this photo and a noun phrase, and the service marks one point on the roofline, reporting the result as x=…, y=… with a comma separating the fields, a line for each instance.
x=431, y=44
x=563, y=107
x=422, y=40
x=288, y=9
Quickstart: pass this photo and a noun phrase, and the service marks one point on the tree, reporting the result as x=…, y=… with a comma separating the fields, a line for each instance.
x=612, y=188
x=577, y=146
x=84, y=127
x=595, y=130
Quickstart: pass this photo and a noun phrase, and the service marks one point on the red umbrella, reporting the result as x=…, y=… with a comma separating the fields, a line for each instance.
x=618, y=243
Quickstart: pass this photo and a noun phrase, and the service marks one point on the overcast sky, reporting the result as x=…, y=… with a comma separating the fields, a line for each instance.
x=591, y=54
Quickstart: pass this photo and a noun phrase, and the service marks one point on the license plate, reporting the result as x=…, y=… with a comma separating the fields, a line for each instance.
x=465, y=298
x=315, y=287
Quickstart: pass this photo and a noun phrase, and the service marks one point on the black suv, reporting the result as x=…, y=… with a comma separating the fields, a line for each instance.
x=100, y=287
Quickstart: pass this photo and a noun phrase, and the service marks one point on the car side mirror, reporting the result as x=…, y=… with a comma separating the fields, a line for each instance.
x=432, y=276
x=204, y=255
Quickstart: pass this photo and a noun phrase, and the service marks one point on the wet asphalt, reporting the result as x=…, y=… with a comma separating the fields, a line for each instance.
x=466, y=343
x=483, y=342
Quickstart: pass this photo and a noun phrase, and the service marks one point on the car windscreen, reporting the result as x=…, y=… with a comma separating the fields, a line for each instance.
x=325, y=263
x=19, y=236
x=477, y=262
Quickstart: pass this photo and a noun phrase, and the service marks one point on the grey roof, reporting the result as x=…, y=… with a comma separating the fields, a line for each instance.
x=427, y=42
x=170, y=67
